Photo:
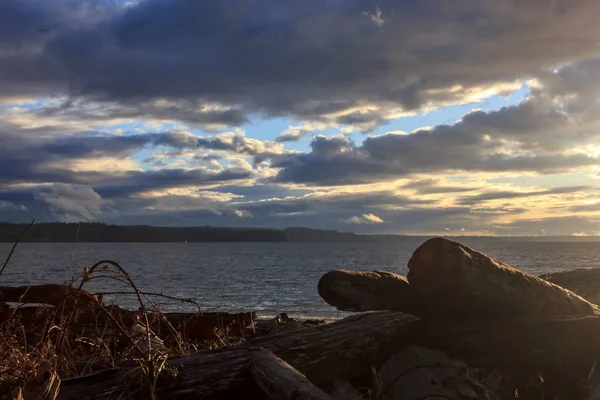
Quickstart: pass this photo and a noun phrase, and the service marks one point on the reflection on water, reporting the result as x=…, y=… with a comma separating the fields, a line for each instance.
x=267, y=277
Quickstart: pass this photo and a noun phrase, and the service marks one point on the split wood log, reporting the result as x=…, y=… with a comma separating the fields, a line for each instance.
x=416, y=373
x=582, y=281
x=342, y=349
x=367, y=291
x=460, y=282
x=278, y=380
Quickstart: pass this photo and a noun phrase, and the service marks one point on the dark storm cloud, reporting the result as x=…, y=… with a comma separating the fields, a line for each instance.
x=91, y=144
x=334, y=161
x=190, y=111
x=23, y=159
x=585, y=207
x=327, y=213
x=303, y=58
x=37, y=155
x=236, y=143
x=531, y=136
x=35, y=21
x=340, y=204
x=472, y=200
x=130, y=182
x=258, y=192
x=432, y=186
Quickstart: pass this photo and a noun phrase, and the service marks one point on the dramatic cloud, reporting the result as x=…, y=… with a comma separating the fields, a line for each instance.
x=432, y=116
x=306, y=58
x=547, y=133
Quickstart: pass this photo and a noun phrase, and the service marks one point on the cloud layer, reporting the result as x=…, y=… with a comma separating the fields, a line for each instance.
x=141, y=113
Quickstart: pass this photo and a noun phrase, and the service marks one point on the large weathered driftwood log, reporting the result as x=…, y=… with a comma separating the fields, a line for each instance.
x=342, y=349
x=367, y=291
x=584, y=282
x=416, y=373
x=462, y=282
x=448, y=278
x=280, y=381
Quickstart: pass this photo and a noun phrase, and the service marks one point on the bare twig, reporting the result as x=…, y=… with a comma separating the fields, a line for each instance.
x=145, y=294
x=15, y=246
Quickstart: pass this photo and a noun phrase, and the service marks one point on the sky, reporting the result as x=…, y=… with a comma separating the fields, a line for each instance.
x=463, y=117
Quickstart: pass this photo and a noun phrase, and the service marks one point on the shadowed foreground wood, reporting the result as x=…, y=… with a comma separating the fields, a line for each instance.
x=524, y=342
x=280, y=381
x=52, y=294
x=342, y=349
x=367, y=291
x=416, y=373
x=464, y=283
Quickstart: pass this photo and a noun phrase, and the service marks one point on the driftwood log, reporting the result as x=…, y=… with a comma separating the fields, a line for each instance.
x=416, y=373
x=280, y=381
x=342, y=349
x=449, y=279
x=461, y=282
x=367, y=291
x=584, y=282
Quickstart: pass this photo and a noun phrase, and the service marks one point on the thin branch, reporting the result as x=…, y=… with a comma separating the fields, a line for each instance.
x=181, y=299
x=15, y=246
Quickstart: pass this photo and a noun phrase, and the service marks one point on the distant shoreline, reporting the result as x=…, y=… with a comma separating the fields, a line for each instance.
x=103, y=233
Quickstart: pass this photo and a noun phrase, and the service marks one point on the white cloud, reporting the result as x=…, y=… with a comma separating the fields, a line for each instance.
x=376, y=17
x=72, y=203
x=243, y=214
x=364, y=219
x=7, y=205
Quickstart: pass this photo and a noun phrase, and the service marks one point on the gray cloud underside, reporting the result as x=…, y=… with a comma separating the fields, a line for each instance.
x=532, y=136
x=27, y=159
x=217, y=64
x=302, y=58
x=473, y=200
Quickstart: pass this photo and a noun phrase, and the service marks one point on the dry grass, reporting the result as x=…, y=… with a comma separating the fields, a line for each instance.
x=82, y=335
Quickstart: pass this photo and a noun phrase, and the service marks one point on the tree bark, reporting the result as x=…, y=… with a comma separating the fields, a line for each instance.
x=367, y=291
x=342, y=349
x=280, y=381
x=416, y=373
x=463, y=283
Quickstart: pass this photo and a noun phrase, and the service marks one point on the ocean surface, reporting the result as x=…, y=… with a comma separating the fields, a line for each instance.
x=267, y=277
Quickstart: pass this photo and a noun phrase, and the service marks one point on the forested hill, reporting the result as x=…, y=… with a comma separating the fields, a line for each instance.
x=96, y=232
